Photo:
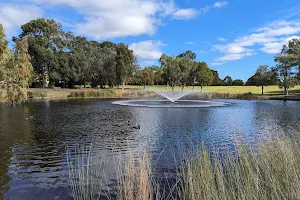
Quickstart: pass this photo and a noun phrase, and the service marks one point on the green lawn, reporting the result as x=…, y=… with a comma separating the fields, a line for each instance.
x=269, y=90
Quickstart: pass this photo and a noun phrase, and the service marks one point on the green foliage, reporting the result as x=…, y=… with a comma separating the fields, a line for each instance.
x=263, y=77
x=217, y=81
x=45, y=39
x=204, y=75
x=126, y=63
x=4, y=52
x=286, y=68
x=227, y=80
x=238, y=82
x=93, y=94
x=145, y=77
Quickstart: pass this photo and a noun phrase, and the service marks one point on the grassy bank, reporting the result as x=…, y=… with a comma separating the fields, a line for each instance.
x=272, y=171
x=209, y=92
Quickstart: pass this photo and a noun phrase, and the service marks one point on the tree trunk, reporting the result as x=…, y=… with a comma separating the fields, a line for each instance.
x=167, y=86
x=201, y=88
x=286, y=91
x=144, y=85
x=173, y=88
x=193, y=87
x=182, y=88
x=123, y=84
x=262, y=89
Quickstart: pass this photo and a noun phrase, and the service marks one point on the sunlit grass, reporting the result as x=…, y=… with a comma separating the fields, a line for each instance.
x=269, y=90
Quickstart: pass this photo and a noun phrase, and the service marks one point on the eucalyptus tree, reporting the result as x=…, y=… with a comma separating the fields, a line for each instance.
x=286, y=69
x=204, y=76
x=126, y=63
x=81, y=58
x=171, y=69
x=109, y=62
x=19, y=70
x=238, y=82
x=4, y=52
x=227, y=80
x=145, y=77
x=264, y=77
x=158, y=75
x=217, y=81
x=186, y=66
x=45, y=38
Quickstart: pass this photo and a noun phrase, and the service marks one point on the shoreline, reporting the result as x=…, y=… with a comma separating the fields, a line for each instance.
x=135, y=93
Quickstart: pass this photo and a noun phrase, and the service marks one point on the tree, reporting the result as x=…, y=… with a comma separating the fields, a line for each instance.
x=145, y=77
x=188, y=54
x=204, y=76
x=238, y=82
x=19, y=71
x=3, y=53
x=126, y=63
x=171, y=69
x=45, y=39
x=227, y=80
x=158, y=74
x=264, y=77
x=285, y=67
x=217, y=81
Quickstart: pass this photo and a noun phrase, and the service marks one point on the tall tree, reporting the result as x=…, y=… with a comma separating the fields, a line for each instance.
x=285, y=67
x=217, y=81
x=264, y=77
x=19, y=71
x=4, y=52
x=188, y=54
x=171, y=69
x=45, y=38
x=204, y=76
x=145, y=77
x=126, y=63
x=227, y=80
x=158, y=74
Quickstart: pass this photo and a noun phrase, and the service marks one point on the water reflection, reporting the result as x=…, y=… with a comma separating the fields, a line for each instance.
x=32, y=150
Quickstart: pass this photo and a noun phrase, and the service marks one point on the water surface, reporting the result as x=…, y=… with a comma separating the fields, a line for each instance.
x=33, y=136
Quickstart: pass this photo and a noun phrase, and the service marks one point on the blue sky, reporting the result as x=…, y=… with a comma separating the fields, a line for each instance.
x=234, y=37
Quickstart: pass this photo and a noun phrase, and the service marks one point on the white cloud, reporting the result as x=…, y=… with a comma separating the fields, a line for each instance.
x=121, y=18
x=222, y=39
x=185, y=14
x=13, y=16
x=189, y=43
x=220, y=4
x=149, y=49
x=269, y=39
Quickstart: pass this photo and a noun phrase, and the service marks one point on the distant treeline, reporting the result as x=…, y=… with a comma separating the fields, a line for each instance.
x=45, y=56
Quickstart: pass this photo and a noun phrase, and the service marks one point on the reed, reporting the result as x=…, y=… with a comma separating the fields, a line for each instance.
x=269, y=171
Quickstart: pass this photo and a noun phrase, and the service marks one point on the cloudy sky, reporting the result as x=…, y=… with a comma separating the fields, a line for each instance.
x=233, y=36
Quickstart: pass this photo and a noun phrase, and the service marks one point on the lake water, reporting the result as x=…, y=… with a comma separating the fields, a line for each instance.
x=33, y=163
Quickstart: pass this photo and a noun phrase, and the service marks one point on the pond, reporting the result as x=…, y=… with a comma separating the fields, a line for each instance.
x=34, y=136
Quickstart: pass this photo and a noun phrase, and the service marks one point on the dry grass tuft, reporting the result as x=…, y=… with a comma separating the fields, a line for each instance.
x=271, y=171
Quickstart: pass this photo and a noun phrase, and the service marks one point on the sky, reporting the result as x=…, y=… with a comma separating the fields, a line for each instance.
x=233, y=37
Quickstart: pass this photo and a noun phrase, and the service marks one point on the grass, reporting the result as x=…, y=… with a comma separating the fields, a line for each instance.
x=269, y=90
x=209, y=92
x=271, y=171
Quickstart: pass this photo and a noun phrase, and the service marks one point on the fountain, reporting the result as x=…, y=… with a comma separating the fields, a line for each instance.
x=172, y=96
x=172, y=100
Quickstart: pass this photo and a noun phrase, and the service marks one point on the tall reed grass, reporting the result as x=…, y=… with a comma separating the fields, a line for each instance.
x=270, y=171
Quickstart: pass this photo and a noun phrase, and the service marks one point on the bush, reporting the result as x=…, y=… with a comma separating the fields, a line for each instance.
x=93, y=94
x=36, y=94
